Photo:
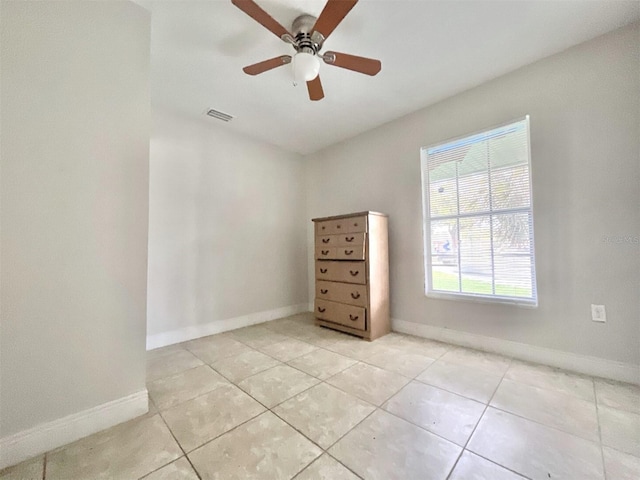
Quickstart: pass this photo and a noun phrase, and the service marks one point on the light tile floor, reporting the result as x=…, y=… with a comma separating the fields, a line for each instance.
x=290, y=400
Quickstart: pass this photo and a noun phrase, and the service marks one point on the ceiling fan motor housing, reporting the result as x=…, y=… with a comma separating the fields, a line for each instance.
x=302, y=32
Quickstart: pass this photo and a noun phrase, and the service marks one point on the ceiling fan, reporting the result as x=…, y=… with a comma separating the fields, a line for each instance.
x=307, y=37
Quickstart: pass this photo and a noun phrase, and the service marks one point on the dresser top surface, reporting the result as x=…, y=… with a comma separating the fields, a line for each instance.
x=348, y=215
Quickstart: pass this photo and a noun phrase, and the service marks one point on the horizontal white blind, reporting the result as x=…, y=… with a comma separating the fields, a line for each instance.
x=478, y=215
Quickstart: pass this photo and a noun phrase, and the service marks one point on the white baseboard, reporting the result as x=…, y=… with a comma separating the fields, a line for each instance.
x=196, y=331
x=598, y=367
x=42, y=438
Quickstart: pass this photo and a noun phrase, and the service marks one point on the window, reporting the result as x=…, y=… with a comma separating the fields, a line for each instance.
x=478, y=217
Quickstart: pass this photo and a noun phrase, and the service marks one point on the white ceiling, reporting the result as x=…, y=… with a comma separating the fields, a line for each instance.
x=429, y=50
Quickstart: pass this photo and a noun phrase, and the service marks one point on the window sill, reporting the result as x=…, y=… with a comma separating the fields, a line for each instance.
x=465, y=297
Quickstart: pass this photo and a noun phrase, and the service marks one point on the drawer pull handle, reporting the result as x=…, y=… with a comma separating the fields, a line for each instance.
x=323, y=270
x=321, y=310
x=323, y=227
x=353, y=274
x=355, y=296
x=349, y=239
x=325, y=252
x=353, y=319
x=348, y=252
x=324, y=291
x=338, y=226
x=326, y=240
x=355, y=224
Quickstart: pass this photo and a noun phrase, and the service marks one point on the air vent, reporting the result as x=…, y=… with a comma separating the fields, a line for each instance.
x=225, y=117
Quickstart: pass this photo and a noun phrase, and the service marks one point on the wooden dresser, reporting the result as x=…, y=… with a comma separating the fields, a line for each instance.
x=352, y=273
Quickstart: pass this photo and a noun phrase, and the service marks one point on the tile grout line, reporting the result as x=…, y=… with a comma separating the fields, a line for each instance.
x=267, y=354
x=422, y=428
x=287, y=339
x=298, y=431
x=341, y=463
x=414, y=424
x=171, y=461
x=191, y=398
x=556, y=391
x=224, y=433
x=152, y=403
x=313, y=441
x=434, y=360
x=375, y=409
x=295, y=358
x=235, y=382
x=186, y=453
x=270, y=410
x=595, y=401
x=297, y=475
x=522, y=475
x=542, y=424
x=325, y=450
x=344, y=435
x=44, y=466
x=283, y=401
x=180, y=446
x=202, y=395
x=423, y=382
x=323, y=379
x=356, y=396
x=174, y=374
x=380, y=407
x=464, y=448
x=205, y=362
x=506, y=411
x=252, y=375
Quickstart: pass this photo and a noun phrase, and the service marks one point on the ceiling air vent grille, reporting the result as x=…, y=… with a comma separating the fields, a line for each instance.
x=225, y=117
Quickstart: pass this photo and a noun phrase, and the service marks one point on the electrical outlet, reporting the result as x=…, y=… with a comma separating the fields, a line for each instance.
x=598, y=313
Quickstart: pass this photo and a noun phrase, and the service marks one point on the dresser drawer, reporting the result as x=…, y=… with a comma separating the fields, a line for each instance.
x=347, y=315
x=349, y=272
x=339, y=253
x=344, y=240
x=355, y=224
x=351, y=239
x=350, y=293
x=327, y=240
x=330, y=227
x=349, y=253
x=341, y=225
x=326, y=253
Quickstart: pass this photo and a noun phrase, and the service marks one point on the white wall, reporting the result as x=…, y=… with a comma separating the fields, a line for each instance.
x=227, y=233
x=75, y=130
x=584, y=105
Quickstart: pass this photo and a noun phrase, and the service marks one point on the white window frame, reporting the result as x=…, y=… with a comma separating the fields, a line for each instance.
x=426, y=225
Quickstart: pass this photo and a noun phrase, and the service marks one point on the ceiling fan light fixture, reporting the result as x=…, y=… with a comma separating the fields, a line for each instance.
x=306, y=67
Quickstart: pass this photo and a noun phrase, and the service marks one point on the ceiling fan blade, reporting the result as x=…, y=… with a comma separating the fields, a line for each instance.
x=368, y=66
x=315, y=89
x=261, y=67
x=252, y=9
x=332, y=14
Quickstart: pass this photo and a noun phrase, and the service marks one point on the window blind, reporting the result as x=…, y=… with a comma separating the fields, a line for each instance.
x=478, y=216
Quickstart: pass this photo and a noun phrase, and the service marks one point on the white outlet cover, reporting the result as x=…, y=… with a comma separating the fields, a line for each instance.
x=598, y=313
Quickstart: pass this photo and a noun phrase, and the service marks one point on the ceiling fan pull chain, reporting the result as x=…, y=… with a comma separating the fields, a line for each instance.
x=293, y=69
